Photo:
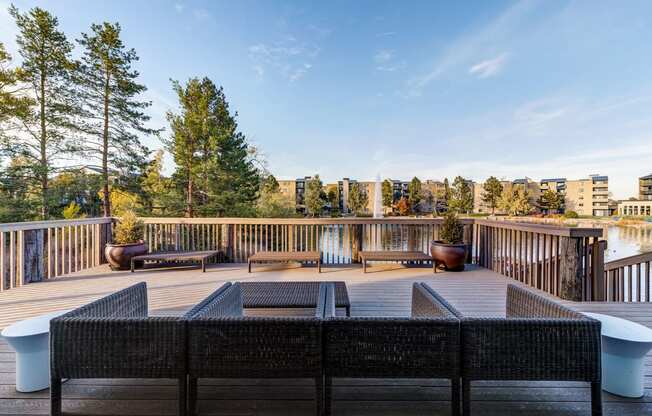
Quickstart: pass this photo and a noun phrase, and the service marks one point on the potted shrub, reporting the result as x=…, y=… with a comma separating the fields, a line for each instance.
x=450, y=250
x=127, y=242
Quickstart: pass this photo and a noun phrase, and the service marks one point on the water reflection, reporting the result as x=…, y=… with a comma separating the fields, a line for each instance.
x=627, y=241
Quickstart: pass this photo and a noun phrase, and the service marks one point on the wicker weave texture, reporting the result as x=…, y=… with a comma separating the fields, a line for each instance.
x=223, y=344
x=424, y=346
x=544, y=342
x=289, y=294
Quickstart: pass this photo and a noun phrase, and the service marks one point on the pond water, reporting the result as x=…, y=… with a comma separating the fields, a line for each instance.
x=627, y=241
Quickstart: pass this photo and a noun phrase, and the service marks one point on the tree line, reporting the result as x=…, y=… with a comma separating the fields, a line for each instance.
x=71, y=133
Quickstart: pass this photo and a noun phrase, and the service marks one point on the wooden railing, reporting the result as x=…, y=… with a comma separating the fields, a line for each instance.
x=563, y=261
x=339, y=239
x=628, y=279
x=33, y=251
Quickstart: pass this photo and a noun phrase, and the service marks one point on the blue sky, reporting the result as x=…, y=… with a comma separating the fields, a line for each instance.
x=433, y=89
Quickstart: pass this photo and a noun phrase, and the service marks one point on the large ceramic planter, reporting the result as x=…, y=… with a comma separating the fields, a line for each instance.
x=119, y=255
x=452, y=256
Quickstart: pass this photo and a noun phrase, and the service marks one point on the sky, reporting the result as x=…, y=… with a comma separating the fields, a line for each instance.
x=437, y=89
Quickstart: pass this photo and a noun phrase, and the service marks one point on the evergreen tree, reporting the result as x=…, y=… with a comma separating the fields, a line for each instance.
x=46, y=126
x=18, y=202
x=270, y=184
x=314, y=199
x=158, y=193
x=461, y=199
x=388, y=194
x=492, y=191
x=333, y=198
x=215, y=165
x=447, y=193
x=551, y=201
x=414, y=192
x=358, y=199
x=14, y=104
x=114, y=116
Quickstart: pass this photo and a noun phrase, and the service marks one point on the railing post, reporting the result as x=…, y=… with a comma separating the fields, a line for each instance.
x=31, y=256
x=597, y=270
x=356, y=243
x=468, y=240
x=570, y=268
x=227, y=241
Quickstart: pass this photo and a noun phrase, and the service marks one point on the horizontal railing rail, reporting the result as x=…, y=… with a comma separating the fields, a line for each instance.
x=629, y=279
x=338, y=239
x=37, y=250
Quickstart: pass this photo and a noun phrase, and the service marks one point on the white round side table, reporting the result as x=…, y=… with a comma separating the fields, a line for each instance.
x=30, y=339
x=624, y=346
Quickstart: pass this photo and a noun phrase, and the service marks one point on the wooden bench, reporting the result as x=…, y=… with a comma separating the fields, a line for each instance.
x=177, y=256
x=394, y=256
x=286, y=256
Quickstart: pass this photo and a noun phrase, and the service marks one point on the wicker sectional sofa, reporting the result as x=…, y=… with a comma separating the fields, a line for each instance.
x=223, y=343
x=114, y=337
x=425, y=345
x=539, y=339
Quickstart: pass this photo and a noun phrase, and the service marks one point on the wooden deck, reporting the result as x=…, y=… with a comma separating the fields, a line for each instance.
x=385, y=291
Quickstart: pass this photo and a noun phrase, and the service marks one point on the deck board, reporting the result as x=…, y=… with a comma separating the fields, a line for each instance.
x=384, y=291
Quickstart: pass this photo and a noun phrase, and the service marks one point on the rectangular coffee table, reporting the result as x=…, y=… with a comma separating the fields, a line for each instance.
x=290, y=295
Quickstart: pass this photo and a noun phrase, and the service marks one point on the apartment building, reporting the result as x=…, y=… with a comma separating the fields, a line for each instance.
x=589, y=196
x=645, y=188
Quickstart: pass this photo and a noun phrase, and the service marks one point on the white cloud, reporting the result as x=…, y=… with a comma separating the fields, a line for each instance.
x=489, y=67
x=467, y=48
x=385, y=34
x=289, y=58
x=385, y=61
x=382, y=56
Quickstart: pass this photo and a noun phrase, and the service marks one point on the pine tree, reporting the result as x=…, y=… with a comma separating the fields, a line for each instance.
x=461, y=199
x=314, y=199
x=114, y=116
x=215, y=164
x=551, y=201
x=46, y=126
x=492, y=190
x=414, y=192
x=358, y=199
x=388, y=194
x=14, y=104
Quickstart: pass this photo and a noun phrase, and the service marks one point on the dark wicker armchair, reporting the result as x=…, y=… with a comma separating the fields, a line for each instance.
x=538, y=340
x=113, y=337
x=223, y=343
x=426, y=345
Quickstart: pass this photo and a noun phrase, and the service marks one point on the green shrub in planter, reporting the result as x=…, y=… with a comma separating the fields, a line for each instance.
x=452, y=230
x=129, y=229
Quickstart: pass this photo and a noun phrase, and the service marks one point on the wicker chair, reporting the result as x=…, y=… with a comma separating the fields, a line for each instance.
x=113, y=337
x=223, y=343
x=426, y=345
x=538, y=340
